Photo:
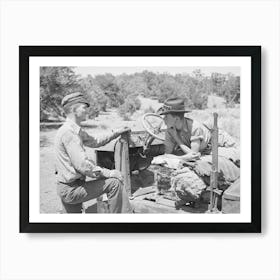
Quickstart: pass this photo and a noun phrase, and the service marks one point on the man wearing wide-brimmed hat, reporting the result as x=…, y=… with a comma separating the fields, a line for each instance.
x=73, y=164
x=183, y=135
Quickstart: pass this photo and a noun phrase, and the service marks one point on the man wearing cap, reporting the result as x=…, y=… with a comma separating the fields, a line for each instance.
x=73, y=165
x=187, y=136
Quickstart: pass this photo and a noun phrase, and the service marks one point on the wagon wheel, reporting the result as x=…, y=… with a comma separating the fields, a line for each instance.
x=154, y=125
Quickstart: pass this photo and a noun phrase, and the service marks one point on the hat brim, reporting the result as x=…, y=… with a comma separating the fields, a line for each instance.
x=174, y=111
x=83, y=102
x=77, y=101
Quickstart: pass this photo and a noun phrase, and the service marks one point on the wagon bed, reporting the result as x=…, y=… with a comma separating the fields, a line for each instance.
x=126, y=154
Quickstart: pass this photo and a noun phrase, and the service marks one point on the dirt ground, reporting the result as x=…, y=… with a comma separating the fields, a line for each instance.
x=49, y=200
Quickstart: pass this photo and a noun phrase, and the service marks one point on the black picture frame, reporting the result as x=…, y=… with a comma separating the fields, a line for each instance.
x=254, y=52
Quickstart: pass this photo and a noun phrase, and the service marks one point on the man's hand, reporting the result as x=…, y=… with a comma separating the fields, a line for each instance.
x=123, y=130
x=97, y=173
x=191, y=156
x=116, y=174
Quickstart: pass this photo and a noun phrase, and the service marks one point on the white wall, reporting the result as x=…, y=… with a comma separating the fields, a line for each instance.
x=139, y=256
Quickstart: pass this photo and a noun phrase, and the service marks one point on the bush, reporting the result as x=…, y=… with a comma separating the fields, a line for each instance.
x=150, y=109
x=108, y=90
x=137, y=103
x=94, y=109
x=129, y=107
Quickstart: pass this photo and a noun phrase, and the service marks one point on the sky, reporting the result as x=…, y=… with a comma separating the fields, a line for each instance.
x=84, y=71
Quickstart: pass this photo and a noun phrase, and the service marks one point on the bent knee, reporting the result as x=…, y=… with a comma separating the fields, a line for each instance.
x=113, y=183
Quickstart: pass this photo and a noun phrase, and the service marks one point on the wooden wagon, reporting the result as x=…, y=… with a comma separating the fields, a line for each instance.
x=132, y=154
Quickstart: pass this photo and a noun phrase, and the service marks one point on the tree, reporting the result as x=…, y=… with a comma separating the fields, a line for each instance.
x=107, y=90
x=231, y=89
x=129, y=107
x=55, y=83
x=109, y=87
x=218, y=81
x=132, y=85
x=97, y=98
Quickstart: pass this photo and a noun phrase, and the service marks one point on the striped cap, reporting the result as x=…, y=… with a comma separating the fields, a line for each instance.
x=74, y=98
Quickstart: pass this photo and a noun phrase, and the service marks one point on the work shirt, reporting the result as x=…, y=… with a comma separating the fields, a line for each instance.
x=191, y=131
x=71, y=160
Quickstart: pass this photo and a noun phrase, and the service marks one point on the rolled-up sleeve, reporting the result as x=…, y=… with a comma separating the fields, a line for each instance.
x=79, y=159
x=197, y=134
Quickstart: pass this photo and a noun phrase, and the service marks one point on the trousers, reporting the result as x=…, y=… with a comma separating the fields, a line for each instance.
x=74, y=194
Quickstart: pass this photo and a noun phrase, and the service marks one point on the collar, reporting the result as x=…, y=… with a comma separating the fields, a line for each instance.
x=75, y=127
x=185, y=126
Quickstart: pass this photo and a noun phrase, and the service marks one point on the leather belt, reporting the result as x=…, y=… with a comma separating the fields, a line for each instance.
x=77, y=182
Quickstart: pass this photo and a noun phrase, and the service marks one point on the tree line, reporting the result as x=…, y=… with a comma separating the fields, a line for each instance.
x=121, y=91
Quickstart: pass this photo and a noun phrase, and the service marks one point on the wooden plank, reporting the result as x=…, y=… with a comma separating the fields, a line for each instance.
x=141, y=205
x=143, y=191
x=230, y=206
x=121, y=157
x=146, y=207
x=215, y=168
x=233, y=191
x=166, y=202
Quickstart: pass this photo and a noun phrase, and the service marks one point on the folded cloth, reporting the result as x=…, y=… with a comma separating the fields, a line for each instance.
x=190, y=178
x=232, y=154
x=226, y=167
x=168, y=160
x=228, y=171
x=187, y=184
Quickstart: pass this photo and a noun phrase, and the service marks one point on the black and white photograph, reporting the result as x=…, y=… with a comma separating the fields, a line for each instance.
x=128, y=140
x=143, y=136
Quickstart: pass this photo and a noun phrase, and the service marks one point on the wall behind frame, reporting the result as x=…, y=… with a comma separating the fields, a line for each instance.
x=139, y=256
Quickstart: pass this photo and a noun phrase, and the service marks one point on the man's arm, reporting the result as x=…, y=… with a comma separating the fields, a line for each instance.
x=195, y=146
x=190, y=153
x=196, y=138
x=95, y=142
x=79, y=158
x=172, y=134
